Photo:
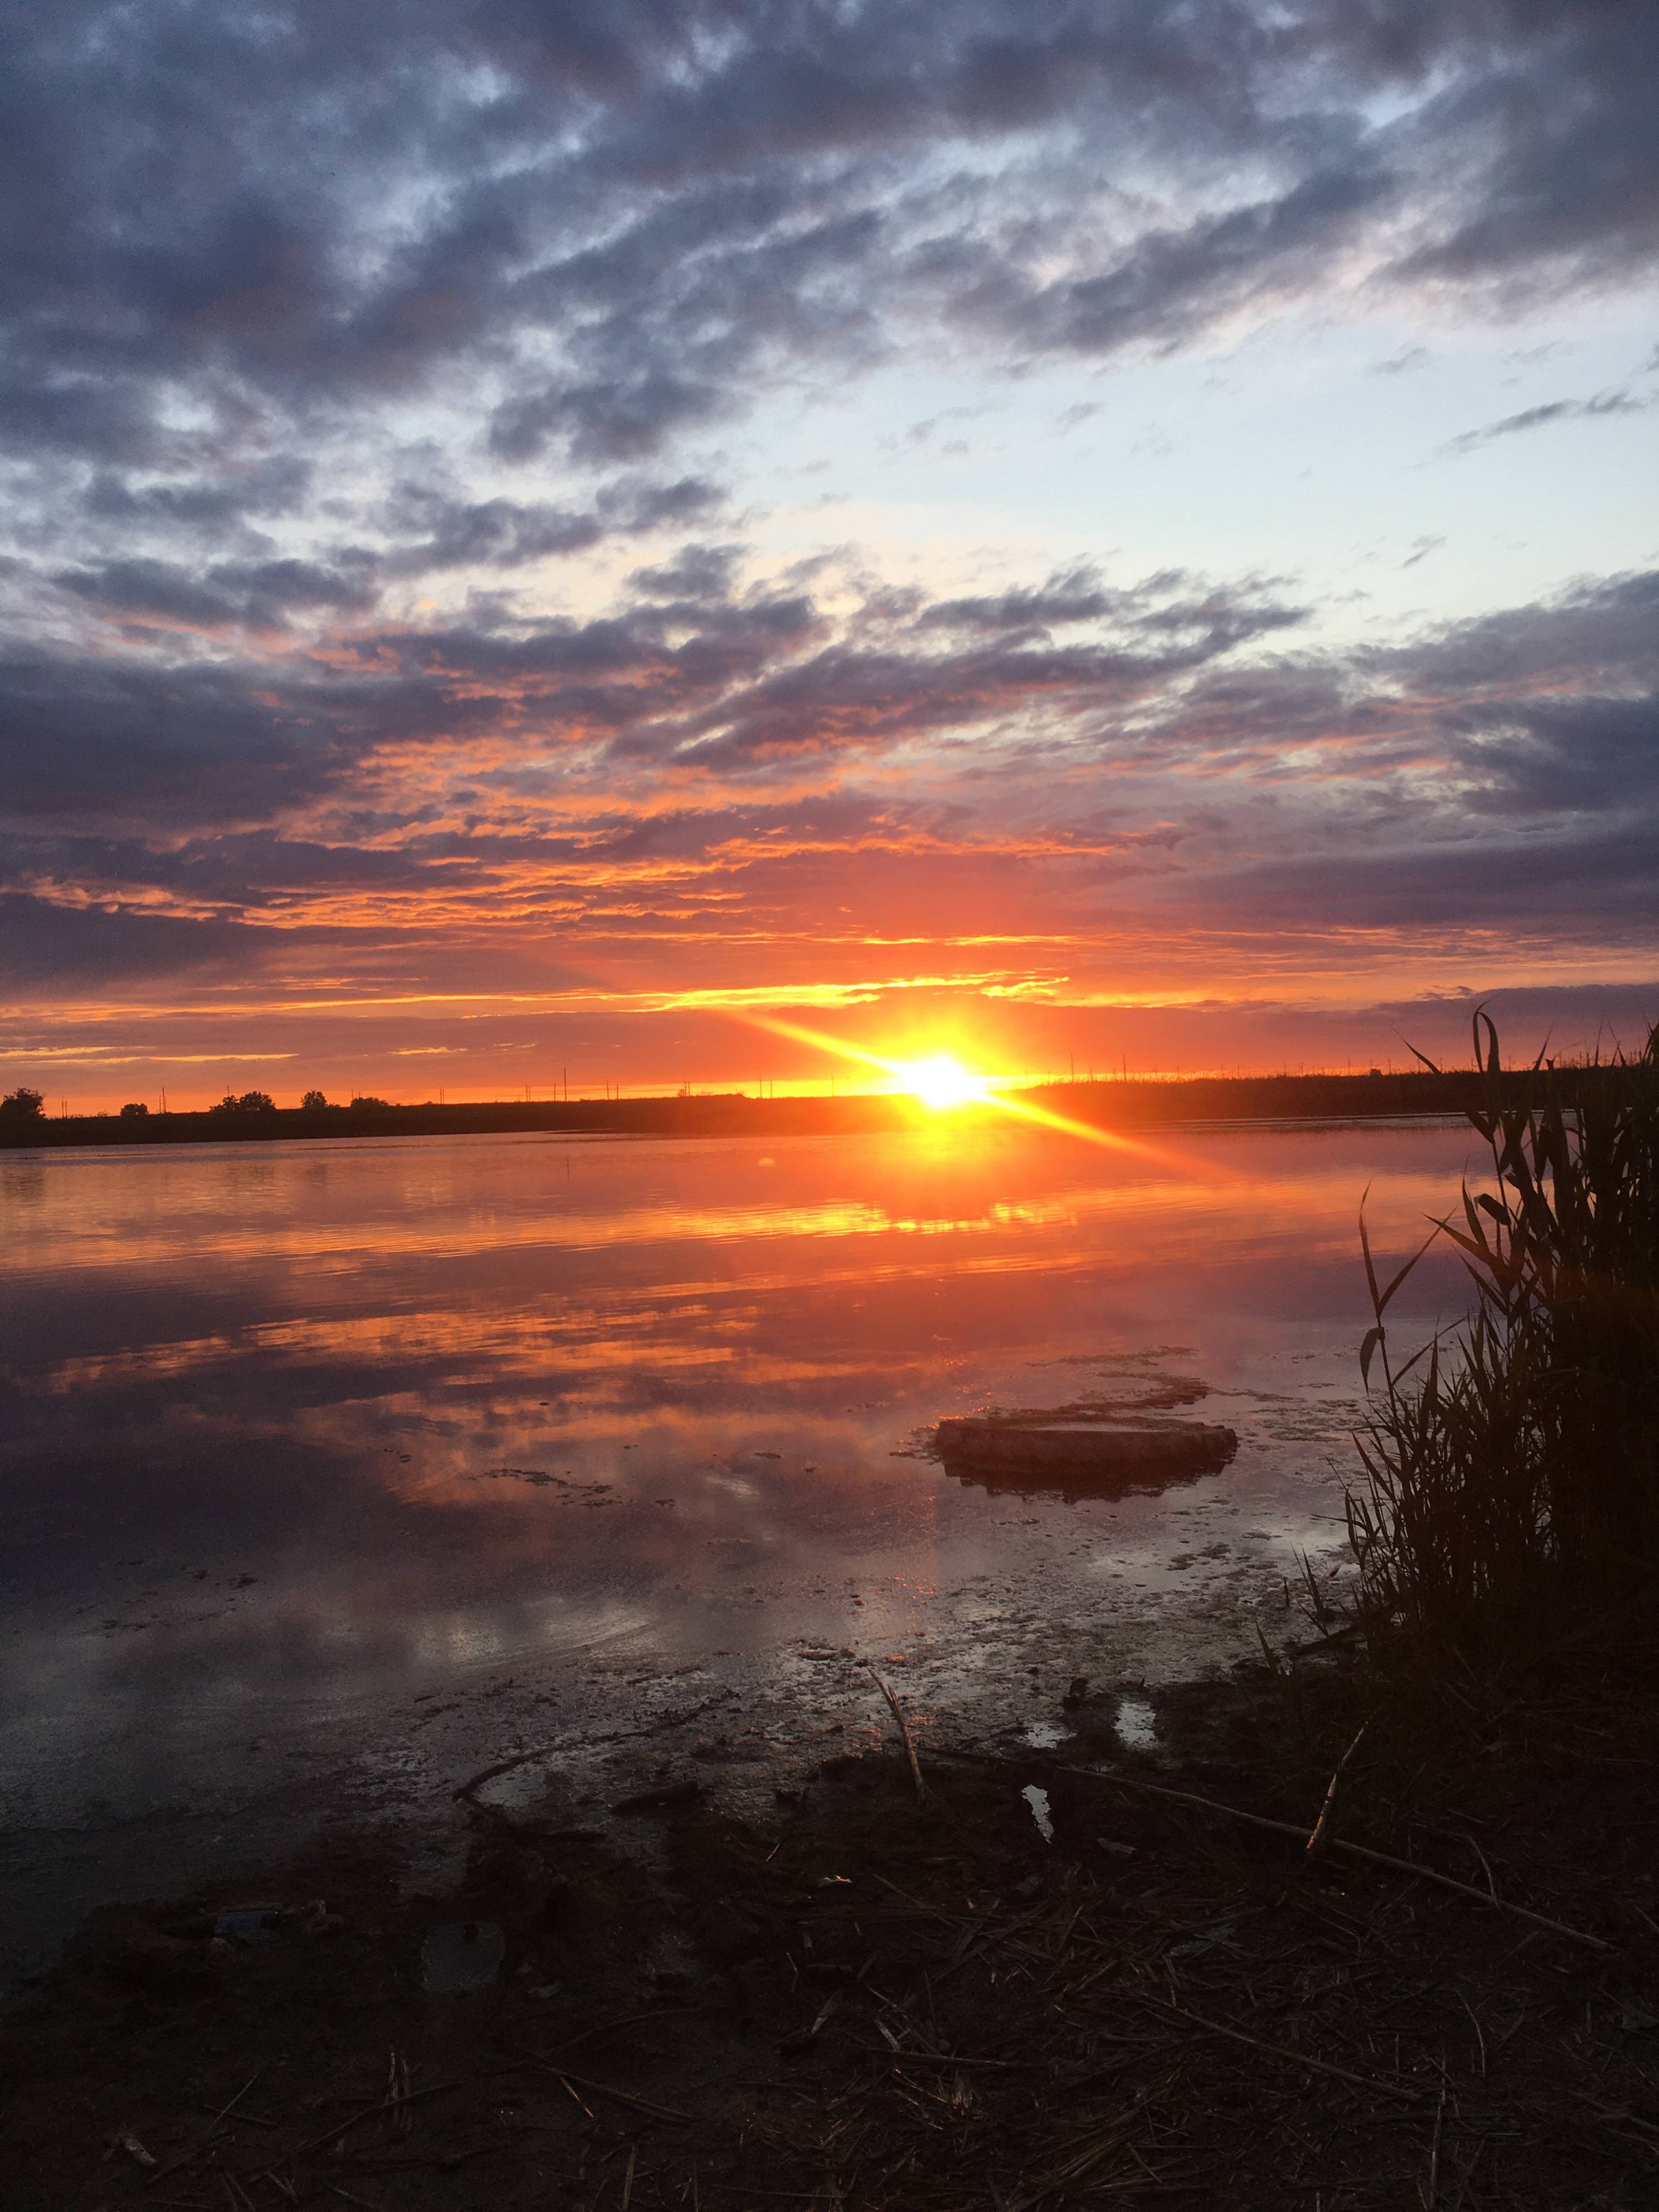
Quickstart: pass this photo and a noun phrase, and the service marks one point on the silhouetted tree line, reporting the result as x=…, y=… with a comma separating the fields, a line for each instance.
x=250, y=1106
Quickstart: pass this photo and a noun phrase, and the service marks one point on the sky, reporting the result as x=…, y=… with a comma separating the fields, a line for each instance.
x=569, y=543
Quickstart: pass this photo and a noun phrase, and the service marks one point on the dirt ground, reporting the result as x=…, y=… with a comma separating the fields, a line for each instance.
x=878, y=1999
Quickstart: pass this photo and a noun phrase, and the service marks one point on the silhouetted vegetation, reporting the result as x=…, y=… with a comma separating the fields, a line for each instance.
x=252, y=1105
x=21, y=1109
x=1138, y=1103
x=1512, y=1470
x=134, y=1110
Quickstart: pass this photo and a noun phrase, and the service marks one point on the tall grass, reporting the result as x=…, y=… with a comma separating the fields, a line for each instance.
x=1511, y=1470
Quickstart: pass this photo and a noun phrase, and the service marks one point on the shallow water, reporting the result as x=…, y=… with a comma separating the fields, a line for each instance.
x=356, y=1465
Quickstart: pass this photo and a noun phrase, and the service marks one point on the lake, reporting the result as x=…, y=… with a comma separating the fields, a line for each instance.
x=334, y=1472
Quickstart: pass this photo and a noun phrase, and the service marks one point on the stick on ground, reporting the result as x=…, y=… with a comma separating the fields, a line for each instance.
x=904, y=1732
x=1284, y=2051
x=1288, y=1828
x=1321, y=1836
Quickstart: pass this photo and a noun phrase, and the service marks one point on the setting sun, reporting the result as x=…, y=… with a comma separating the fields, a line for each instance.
x=940, y=1082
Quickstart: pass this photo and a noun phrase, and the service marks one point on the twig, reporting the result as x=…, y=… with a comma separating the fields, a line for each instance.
x=945, y=2058
x=378, y=2111
x=1485, y=1867
x=1377, y=1858
x=1286, y=1828
x=188, y=2158
x=904, y=1732
x=1434, y=2151
x=547, y=1750
x=617, y=2096
x=502, y=1766
x=1284, y=2051
x=225, y=2110
x=626, y=2020
x=1320, y=1837
x=1480, y=2038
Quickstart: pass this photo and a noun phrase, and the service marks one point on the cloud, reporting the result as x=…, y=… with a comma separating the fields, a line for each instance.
x=1554, y=410
x=713, y=762
x=201, y=505
x=437, y=531
x=324, y=330
x=598, y=233
x=705, y=574
x=263, y=593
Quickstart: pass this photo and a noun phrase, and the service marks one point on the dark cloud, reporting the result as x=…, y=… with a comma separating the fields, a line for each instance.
x=309, y=315
x=169, y=748
x=262, y=593
x=437, y=531
x=1553, y=410
x=1554, y=128
x=1559, y=757
x=1077, y=595
x=1180, y=735
x=1400, y=364
x=1173, y=282
x=1598, y=637
x=1598, y=883
x=702, y=573
x=199, y=504
x=48, y=947
x=607, y=223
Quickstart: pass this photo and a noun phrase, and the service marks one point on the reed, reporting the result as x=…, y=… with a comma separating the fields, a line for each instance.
x=1512, y=1469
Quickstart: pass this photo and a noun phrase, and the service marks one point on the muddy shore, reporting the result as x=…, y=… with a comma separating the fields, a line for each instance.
x=1029, y=1984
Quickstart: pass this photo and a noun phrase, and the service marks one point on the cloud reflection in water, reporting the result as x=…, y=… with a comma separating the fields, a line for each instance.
x=456, y=1405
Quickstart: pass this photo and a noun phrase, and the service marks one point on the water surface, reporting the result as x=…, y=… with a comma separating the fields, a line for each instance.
x=350, y=1464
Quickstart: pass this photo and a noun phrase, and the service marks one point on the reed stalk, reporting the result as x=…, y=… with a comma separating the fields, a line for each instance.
x=1511, y=1469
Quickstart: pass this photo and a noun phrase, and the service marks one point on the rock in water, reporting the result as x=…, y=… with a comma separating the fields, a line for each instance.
x=1086, y=1449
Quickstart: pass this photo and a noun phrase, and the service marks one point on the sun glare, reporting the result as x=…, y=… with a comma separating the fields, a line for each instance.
x=941, y=1083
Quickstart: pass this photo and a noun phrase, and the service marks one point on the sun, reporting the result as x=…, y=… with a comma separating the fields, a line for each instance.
x=941, y=1083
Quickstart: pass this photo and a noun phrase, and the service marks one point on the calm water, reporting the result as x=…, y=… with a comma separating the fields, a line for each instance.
x=351, y=1465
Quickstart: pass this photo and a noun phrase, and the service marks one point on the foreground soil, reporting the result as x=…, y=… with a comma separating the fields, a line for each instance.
x=881, y=1998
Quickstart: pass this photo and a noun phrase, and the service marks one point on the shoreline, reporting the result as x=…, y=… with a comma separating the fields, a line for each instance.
x=1101, y=1104
x=867, y=1990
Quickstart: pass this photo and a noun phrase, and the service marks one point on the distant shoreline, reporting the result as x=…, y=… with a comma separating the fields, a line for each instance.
x=1099, y=1104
